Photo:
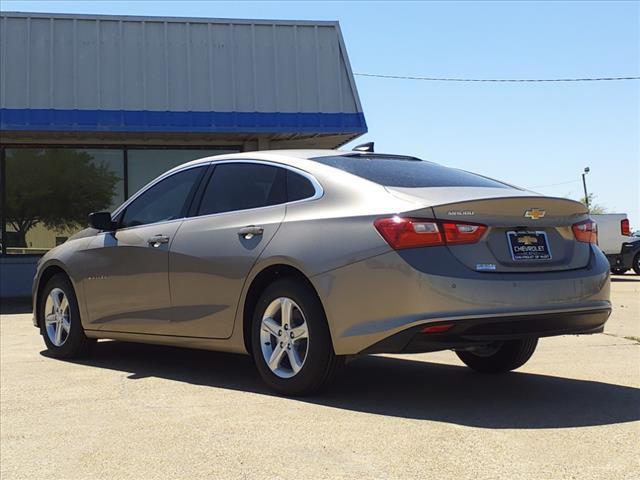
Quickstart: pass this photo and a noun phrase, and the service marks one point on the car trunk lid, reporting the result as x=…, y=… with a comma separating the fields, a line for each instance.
x=526, y=231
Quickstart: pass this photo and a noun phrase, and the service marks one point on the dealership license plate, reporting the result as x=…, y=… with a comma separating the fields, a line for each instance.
x=526, y=246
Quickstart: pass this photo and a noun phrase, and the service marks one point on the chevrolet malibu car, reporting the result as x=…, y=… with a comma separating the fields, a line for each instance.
x=302, y=258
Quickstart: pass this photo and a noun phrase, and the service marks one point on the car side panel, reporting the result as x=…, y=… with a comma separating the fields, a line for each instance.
x=336, y=229
x=208, y=265
x=63, y=257
x=125, y=279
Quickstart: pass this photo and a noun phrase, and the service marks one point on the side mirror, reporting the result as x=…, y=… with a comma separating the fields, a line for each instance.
x=101, y=221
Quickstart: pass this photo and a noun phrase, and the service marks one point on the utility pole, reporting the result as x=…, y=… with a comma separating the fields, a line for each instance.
x=584, y=184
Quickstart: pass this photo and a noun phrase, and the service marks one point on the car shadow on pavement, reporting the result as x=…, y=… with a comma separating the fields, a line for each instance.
x=399, y=387
x=622, y=278
x=13, y=306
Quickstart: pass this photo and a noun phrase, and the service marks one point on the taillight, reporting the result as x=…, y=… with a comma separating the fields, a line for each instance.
x=437, y=328
x=624, y=227
x=586, y=231
x=417, y=232
x=409, y=232
x=456, y=233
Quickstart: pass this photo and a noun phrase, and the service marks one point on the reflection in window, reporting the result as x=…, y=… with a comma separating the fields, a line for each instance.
x=50, y=192
x=164, y=201
x=146, y=164
x=240, y=186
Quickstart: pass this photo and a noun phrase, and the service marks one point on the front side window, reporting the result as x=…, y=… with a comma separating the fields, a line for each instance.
x=241, y=186
x=164, y=201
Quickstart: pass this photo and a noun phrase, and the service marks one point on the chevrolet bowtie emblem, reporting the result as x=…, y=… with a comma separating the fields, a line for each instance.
x=527, y=240
x=534, y=213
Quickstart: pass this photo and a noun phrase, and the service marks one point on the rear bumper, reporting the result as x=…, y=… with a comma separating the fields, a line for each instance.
x=478, y=331
x=377, y=298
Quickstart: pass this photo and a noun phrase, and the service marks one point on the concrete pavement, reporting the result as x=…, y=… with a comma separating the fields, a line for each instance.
x=150, y=412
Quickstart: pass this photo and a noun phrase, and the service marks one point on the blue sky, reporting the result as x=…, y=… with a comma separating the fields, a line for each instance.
x=533, y=135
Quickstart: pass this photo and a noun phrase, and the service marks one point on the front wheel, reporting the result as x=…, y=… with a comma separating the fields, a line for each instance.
x=499, y=357
x=59, y=320
x=291, y=343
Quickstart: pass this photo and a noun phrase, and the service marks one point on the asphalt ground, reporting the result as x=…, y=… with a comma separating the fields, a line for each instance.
x=151, y=412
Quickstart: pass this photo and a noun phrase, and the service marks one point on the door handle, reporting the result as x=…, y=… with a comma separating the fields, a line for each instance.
x=157, y=240
x=251, y=231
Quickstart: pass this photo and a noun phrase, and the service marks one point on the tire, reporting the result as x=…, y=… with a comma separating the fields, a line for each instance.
x=619, y=271
x=72, y=341
x=636, y=264
x=507, y=356
x=316, y=363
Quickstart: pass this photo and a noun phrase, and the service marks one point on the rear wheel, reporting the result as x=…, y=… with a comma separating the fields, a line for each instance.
x=636, y=264
x=59, y=320
x=499, y=357
x=619, y=271
x=291, y=343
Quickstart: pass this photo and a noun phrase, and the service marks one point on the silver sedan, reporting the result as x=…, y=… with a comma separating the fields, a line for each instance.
x=303, y=258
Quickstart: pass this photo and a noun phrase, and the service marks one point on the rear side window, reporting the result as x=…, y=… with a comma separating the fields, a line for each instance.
x=399, y=171
x=241, y=186
x=298, y=187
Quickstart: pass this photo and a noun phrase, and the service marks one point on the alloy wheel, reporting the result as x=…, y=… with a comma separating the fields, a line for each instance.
x=284, y=337
x=57, y=317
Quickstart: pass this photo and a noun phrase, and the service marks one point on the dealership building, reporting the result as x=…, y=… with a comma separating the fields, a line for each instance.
x=93, y=107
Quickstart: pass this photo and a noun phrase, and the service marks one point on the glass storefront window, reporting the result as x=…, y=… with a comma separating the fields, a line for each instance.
x=146, y=164
x=49, y=193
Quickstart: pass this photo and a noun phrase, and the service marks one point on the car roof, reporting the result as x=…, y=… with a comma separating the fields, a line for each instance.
x=292, y=156
x=284, y=154
x=304, y=160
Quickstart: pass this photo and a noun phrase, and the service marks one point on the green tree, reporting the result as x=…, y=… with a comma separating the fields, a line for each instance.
x=55, y=187
x=594, y=208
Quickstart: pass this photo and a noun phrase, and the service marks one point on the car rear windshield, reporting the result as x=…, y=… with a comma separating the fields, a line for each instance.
x=392, y=171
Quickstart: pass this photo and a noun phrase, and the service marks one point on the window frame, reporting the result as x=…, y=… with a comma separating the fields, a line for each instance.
x=125, y=147
x=197, y=201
